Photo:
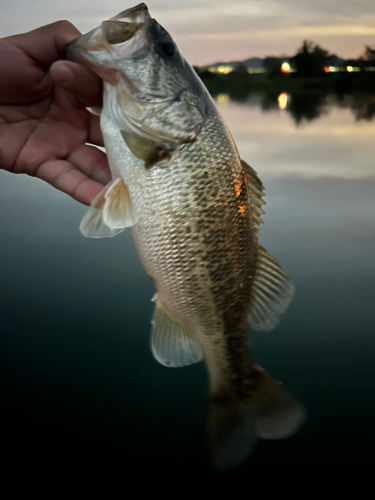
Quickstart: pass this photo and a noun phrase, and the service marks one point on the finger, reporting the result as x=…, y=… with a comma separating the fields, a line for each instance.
x=79, y=81
x=62, y=175
x=92, y=162
x=46, y=44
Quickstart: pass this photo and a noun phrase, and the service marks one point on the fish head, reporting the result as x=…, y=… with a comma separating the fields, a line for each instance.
x=156, y=89
x=102, y=48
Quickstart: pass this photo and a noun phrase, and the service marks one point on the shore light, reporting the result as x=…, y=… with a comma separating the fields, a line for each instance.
x=350, y=69
x=224, y=69
x=331, y=69
x=285, y=67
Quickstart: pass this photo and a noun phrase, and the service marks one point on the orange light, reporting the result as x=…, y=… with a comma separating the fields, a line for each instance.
x=242, y=209
x=238, y=187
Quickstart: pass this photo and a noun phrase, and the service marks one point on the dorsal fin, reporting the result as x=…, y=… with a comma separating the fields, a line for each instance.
x=255, y=190
x=271, y=292
x=171, y=344
x=272, y=289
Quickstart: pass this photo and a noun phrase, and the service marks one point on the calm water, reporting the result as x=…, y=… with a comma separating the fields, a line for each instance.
x=80, y=387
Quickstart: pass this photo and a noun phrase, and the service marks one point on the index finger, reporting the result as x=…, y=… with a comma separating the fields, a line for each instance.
x=79, y=81
x=46, y=44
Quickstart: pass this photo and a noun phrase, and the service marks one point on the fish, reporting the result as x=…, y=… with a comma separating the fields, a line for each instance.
x=194, y=210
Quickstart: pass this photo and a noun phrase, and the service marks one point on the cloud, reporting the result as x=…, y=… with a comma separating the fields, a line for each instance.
x=209, y=30
x=343, y=8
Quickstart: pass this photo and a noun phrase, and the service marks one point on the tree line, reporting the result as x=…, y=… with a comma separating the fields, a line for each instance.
x=311, y=59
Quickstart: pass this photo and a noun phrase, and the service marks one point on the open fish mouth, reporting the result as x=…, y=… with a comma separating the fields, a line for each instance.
x=121, y=36
x=137, y=14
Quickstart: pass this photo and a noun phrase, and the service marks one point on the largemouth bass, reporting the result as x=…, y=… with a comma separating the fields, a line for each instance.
x=194, y=210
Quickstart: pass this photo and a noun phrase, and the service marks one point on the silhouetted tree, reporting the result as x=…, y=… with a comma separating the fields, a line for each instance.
x=269, y=102
x=310, y=59
x=363, y=107
x=306, y=107
x=370, y=53
x=241, y=69
x=272, y=65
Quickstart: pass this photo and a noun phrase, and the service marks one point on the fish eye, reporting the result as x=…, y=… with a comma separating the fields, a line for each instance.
x=167, y=48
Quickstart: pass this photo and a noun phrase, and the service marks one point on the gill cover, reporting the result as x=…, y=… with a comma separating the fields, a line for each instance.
x=158, y=95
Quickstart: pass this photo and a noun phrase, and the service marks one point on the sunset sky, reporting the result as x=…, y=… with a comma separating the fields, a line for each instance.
x=217, y=30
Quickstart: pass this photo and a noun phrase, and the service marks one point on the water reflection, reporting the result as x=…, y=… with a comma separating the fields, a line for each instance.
x=305, y=107
x=78, y=376
x=335, y=145
x=363, y=109
x=283, y=100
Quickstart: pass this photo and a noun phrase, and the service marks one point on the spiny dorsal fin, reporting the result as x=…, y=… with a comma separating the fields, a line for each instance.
x=255, y=190
x=271, y=293
x=110, y=213
x=171, y=344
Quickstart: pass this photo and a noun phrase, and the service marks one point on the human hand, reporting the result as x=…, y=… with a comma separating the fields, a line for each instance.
x=44, y=123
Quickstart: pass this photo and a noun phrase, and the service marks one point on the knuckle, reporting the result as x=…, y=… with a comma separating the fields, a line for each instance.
x=65, y=27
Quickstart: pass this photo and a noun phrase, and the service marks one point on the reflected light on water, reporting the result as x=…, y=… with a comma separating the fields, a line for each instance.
x=71, y=369
x=222, y=99
x=282, y=100
x=332, y=145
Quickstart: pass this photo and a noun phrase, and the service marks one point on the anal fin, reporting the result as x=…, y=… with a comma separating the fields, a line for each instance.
x=171, y=344
x=110, y=213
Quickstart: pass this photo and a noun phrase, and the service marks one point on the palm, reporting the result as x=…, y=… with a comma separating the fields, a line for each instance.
x=45, y=133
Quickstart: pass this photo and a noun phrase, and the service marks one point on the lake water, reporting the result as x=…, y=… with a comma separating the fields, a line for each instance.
x=80, y=387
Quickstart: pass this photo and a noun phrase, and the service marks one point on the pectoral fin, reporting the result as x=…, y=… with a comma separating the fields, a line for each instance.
x=271, y=293
x=171, y=344
x=110, y=213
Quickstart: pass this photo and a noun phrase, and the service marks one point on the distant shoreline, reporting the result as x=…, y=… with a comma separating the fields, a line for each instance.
x=237, y=84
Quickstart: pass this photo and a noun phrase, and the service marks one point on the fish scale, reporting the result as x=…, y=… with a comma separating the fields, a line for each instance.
x=194, y=210
x=220, y=288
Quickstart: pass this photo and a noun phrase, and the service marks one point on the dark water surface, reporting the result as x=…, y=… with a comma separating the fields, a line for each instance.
x=81, y=391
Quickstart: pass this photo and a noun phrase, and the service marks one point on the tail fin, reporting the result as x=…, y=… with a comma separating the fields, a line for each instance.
x=233, y=427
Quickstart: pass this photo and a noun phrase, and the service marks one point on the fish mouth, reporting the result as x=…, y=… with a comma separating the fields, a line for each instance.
x=119, y=37
x=137, y=14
